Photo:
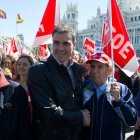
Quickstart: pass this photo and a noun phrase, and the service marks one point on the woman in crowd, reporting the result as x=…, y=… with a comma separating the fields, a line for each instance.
x=22, y=67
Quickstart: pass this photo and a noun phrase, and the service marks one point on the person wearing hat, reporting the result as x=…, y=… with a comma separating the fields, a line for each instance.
x=15, y=121
x=110, y=103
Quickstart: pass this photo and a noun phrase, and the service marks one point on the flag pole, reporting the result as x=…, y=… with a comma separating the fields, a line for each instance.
x=16, y=30
x=112, y=45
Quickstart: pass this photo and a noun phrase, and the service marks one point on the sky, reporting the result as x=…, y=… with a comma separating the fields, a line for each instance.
x=33, y=10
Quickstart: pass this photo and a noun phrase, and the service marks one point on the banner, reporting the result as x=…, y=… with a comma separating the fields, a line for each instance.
x=123, y=51
x=50, y=20
x=89, y=45
x=42, y=51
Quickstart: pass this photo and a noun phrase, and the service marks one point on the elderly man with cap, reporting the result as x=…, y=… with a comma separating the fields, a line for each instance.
x=110, y=103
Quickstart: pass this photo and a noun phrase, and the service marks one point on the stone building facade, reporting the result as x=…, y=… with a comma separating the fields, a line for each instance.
x=130, y=11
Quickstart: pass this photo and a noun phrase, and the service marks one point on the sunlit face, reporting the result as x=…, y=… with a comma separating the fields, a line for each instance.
x=99, y=72
x=8, y=62
x=23, y=66
x=62, y=47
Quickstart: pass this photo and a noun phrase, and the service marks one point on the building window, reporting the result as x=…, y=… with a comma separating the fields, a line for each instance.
x=73, y=16
x=137, y=7
x=91, y=26
x=135, y=18
x=68, y=16
x=138, y=40
x=132, y=40
x=135, y=40
x=139, y=17
x=131, y=19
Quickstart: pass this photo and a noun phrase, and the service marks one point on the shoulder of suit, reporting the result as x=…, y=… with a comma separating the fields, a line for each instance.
x=78, y=66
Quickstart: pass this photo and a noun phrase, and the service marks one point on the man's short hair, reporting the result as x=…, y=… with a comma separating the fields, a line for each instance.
x=64, y=28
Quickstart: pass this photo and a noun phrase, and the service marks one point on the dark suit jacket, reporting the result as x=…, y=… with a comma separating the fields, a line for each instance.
x=56, y=104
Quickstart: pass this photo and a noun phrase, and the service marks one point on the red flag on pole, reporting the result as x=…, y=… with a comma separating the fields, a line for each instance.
x=103, y=32
x=13, y=46
x=5, y=48
x=50, y=20
x=3, y=14
x=123, y=51
x=42, y=51
x=89, y=45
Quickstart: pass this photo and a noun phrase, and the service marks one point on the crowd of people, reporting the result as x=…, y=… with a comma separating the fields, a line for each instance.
x=67, y=96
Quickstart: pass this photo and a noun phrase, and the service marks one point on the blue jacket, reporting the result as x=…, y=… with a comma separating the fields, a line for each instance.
x=136, y=92
x=108, y=118
x=137, y=102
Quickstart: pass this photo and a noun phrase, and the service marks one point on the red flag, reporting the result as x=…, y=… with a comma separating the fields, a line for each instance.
x=103, y=31
x=13, y=46
x=88, y=56
x=50, y=20
x=123, y=51
x=3, y=81
x=5, y=48
x=2, y=14
x=89, y=45
x=42, y=51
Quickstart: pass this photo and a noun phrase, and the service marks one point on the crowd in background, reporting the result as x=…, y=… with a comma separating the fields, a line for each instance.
x=16, y=71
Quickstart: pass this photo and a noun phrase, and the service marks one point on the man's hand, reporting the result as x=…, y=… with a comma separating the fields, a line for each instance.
x=115, y=91
x=137, y=125
x=86, y=116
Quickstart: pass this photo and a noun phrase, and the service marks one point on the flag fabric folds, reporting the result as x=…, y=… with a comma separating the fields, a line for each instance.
x=42, y=51
x=4, y=48
x=19, y=19
x=115, y=35
x=50, y=20
x=103, y=31
x=13, y=46
x=3, y=14
x=89, y=45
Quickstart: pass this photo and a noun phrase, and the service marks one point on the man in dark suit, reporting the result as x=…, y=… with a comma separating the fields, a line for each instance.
x=54, y=87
